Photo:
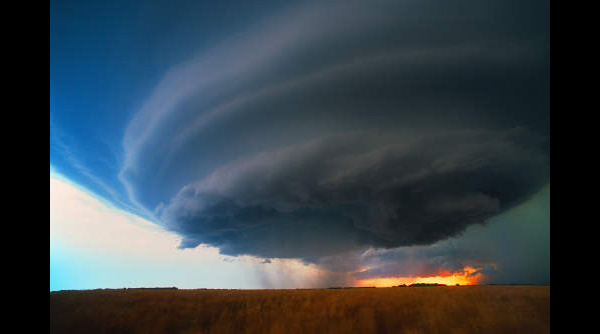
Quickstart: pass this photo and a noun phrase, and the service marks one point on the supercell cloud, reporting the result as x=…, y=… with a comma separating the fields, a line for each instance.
x=336, y=127
x=339, y=192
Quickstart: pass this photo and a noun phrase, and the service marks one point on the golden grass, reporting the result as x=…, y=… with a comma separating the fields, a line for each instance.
x=465, y=309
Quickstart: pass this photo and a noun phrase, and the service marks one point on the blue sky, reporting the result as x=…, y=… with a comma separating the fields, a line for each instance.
x=305, y=135
x=105, y=58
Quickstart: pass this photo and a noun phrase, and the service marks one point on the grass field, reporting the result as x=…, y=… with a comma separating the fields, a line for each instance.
x=464, y=309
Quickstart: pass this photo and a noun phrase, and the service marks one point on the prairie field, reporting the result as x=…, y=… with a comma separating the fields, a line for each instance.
x=461, y=309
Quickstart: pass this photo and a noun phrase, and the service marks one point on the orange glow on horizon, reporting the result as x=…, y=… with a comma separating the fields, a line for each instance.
x=463, y=277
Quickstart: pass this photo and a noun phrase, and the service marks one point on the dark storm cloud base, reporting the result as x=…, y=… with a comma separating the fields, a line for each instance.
x=339, y=193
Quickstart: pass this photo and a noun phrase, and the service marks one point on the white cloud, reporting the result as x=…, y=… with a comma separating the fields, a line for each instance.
x=95, y=245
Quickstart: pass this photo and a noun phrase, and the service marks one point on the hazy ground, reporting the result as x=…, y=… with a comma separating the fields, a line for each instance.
x=465, y=309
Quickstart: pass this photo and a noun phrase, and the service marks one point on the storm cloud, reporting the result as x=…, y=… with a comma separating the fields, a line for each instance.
x=337, y=127
x=337, y=193
x=522, y=234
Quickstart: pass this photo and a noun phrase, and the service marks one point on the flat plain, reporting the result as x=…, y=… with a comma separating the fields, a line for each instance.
x=452, y=309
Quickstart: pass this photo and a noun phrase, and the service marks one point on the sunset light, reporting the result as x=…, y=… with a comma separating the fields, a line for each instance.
x=467, y=276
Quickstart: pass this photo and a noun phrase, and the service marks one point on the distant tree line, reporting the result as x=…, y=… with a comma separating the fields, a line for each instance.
x=416, y=285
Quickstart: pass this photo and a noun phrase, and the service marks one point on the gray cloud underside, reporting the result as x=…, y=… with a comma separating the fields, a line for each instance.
x=522, y=234
x=343, y=125
x=347, y=191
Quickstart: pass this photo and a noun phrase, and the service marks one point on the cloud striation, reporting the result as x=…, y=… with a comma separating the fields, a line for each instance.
x=336, y=127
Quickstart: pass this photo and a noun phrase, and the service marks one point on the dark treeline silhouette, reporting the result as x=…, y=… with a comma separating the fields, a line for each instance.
x=416, y=285
x=154, y=288
x=352, y=287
